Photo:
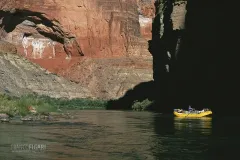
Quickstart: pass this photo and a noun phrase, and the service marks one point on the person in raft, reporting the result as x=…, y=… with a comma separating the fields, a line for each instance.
x=190, y=109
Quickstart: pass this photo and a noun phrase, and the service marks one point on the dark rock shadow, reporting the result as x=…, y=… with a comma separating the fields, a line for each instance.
x=140, y=92
x=195, y=75
x=204, y=67
x=146, y=90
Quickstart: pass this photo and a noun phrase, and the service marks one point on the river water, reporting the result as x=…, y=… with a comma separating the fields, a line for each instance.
x=119, y=135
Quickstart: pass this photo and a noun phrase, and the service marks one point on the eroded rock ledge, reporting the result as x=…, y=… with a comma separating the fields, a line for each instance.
x=96, y=28
x=56, y=34
x=20, y=77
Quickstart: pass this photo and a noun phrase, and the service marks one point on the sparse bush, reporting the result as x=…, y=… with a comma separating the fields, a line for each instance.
x=142, y=106
x=19, y=105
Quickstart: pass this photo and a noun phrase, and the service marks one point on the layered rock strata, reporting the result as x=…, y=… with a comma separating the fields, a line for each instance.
x=146, y=11
x=20, y=77
x=96, y=28
x=81, y=40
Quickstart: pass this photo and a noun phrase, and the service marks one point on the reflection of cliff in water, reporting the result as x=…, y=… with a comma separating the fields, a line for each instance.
x=182, y=139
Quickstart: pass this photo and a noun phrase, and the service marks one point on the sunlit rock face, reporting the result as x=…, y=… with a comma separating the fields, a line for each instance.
x=146, y=11
x=97, y=28
x=178, y=14
x=73, y=37
x=20, y=77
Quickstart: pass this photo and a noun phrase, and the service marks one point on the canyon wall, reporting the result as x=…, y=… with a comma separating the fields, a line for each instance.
x=168, y=27
x=20, y=77
x=96, y=28
x=146, y=11
x=184, y=53
x=95, y=43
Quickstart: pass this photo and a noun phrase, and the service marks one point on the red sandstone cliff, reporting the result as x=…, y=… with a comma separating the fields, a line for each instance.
x=146, y=11
x=101, y=28
x=57, y=33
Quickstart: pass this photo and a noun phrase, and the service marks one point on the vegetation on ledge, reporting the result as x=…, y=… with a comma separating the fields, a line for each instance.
x=142, y=105
x=43, y=104
x=20, y=105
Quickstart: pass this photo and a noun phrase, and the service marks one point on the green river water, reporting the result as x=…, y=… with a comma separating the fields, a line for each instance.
x=119, y=135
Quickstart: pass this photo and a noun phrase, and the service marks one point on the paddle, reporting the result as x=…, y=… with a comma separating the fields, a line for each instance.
x=187, y=114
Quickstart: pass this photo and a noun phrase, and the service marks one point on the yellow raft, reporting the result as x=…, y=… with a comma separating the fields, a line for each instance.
x=192, y=114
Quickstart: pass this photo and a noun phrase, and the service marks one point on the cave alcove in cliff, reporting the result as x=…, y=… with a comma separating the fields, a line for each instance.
x=10, y=20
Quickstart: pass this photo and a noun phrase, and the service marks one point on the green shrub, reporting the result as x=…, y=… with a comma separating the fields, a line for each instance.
x=142, y=106
x=19, y=105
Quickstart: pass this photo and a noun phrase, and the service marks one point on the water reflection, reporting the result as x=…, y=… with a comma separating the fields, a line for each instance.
x=114, y=135
x=182, y=139
x=202, y=125
x=92, y=135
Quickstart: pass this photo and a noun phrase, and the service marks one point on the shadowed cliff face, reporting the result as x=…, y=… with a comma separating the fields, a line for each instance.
x=196, y=64
x=188, y=67
x=200, y=73
x=184, y=53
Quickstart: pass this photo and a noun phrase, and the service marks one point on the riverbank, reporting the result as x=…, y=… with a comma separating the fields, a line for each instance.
x=24, y=105
x=43, y=108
